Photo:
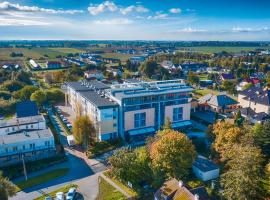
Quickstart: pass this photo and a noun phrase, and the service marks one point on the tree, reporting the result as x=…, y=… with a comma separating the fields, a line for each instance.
x=131, y=165
x=226, y=135
x=149, y=68
x=39, y=97
x=167, y=124
x=12, y=86
x=261, y=135
x=193, y=79
x=55, y=95
x=243, y=178
x=173, y=153
x=238, y=119
x=26, y=92
x=84, y=131
x=7, y=189
x=229, y=86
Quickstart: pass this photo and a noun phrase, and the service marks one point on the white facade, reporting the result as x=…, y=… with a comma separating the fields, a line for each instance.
x=256, y=107
x=25, y=123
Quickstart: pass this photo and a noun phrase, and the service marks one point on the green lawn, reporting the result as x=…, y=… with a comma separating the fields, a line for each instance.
x=108, y=192
x=205, y=92
x=122, y=57
x=61, y=189
x=41, y=178
x=128, y=190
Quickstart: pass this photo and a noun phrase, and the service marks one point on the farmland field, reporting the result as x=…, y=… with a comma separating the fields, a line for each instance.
x=36, y=53
x=207, y=49
x=122, y=57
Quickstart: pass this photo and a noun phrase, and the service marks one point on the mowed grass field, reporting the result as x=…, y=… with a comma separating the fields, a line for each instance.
x=206, y=49
x=36, y=53
x=122, y=57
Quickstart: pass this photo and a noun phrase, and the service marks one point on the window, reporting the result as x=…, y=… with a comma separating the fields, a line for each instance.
x=32, y=126
x=139, y=120
x=47, y=143
x=177, y=114
x=15, y=148
x=13, y=128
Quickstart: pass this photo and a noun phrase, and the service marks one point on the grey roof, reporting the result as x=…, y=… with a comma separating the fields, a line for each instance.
x=257, y=116
x=23, y=137
x=217, y=100
x=22, y=120
x=257, y=94
x=98, y=100
x=87, y=85
x=204, y=164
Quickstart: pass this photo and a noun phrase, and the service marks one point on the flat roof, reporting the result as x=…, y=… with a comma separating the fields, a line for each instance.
x=99, y=100
x=21, y=120
x=86, y=85
x=205, y=164
x=27, y=136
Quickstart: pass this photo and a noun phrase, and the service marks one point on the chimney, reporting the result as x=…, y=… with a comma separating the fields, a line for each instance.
x=196, y=197
x=180, y=184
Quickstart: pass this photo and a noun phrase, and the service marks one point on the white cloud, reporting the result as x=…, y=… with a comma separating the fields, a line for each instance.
x=97, y=9
x=129, y=9
x=190, y=30
x=246, y=30
x=159, y=16
x=12, y=7
x=21, y=22
x=175, y=10
x=116, y=21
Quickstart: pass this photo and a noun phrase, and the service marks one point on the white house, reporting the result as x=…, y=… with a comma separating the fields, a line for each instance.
x=204, y=169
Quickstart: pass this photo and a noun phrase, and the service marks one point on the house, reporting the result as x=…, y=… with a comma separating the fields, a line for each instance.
x=167, y=64
x=206, y=83
x=132, y=110
x=174, y=190
x=205, y=169
x=227, y=77
x=254, y=81
x=220, y=103
x=33, y=64
x=193, y=66
x=25, y=138
x=26, y=109
x=137, y=59
x=94, y=74
x=53, y=64
x=255, y=100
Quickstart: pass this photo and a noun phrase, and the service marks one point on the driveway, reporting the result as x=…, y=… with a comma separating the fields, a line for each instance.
x=81, y=173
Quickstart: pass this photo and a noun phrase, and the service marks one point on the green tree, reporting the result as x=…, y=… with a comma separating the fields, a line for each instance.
x=131, y=165
x=173, y=153
x=243, y=178
x=193, y=79
x=12, y=86
x=26, y=92
x=229, y=86
x=238, y=119
x=39, y=97
x=84, y=131
x=261, y=135
x=55, y=95
x=149, y=68
x=7, y=189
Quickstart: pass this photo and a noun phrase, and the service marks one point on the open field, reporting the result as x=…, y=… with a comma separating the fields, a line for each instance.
x=36, y=53
x=122, y=57
x=208, y=49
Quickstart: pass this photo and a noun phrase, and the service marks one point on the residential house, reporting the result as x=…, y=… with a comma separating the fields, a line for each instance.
x=167, y=64
x=220, y=103
x=227, y=77
x=94, y=74
x=205, y=169
x=174, y=190
x=137, y=59
x=255, y=103
x=33, y=64
x=53, y=64
x=26, y=138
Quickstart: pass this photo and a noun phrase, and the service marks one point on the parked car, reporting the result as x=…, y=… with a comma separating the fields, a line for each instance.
x=60, y=196
x=71, y=193
x=48, y=198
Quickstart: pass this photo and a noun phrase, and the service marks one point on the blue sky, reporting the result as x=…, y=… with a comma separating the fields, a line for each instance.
x=135, y=20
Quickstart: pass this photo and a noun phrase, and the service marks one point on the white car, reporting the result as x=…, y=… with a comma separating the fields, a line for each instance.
x=71, y=193
x=60, y=196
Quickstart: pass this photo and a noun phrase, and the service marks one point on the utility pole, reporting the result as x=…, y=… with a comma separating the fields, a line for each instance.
x=24, y=168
